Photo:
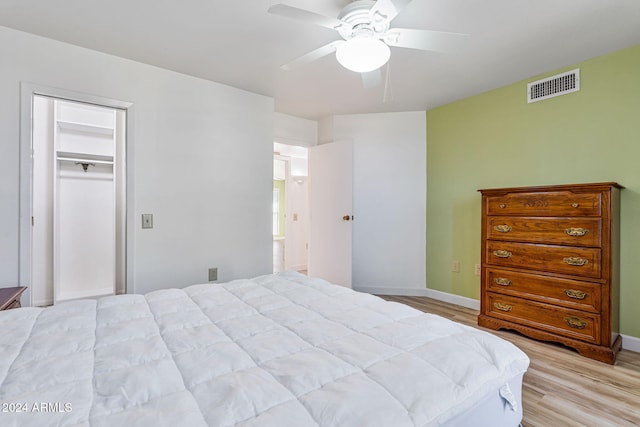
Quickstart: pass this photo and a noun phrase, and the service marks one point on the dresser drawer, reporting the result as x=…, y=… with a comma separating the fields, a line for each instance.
x=575, y=261
x=554, y=203
x=547, y=317
x=557, y=231
x=565, y=292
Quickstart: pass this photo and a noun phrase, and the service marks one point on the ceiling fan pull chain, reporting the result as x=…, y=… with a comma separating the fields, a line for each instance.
x=388, y=92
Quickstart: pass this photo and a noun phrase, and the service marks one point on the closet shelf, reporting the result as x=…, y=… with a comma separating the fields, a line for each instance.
x=85, y=127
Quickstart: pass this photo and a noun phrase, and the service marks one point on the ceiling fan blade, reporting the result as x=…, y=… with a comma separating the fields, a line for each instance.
x=371, y=79
x=386, y=10
x=313, y=55
x=305, y=15
x=437, y=41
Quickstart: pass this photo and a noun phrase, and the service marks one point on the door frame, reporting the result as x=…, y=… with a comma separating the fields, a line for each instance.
x=27, y=92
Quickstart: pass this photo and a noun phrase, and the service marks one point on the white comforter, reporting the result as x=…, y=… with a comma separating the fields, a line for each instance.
x=280, y=350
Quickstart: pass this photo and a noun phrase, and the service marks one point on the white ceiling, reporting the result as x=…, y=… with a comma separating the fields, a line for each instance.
x=236, y=42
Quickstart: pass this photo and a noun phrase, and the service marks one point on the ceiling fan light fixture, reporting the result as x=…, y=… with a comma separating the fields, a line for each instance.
x=363, y=54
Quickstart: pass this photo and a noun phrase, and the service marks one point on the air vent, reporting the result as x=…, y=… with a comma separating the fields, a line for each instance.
x=557, y=85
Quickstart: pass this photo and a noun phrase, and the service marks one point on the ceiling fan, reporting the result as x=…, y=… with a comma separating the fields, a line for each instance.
x=364, y=26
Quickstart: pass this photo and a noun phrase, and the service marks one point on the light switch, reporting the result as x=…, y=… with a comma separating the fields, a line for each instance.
x=147, y=220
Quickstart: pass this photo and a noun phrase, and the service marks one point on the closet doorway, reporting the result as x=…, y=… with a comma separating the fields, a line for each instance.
x=78, y=200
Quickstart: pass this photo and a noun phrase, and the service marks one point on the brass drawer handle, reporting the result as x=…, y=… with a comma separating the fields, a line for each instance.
x=502, y=281
x=502, y=206
x=572, y=260
x=574, y=205
x=502, y=307
x=576, y=231
x=502, y=253
x=576, y=322
x=502, y=228
x=572, y=293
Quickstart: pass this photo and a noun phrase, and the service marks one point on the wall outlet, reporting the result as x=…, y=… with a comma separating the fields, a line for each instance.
x=213, y=274
x=477, y=270
x=147, y=220
x=455, y=266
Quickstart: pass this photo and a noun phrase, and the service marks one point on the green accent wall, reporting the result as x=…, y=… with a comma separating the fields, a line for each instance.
x=278, y=183
x=496, y=139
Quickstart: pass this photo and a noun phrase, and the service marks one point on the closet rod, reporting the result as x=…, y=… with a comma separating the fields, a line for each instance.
x=73, y=159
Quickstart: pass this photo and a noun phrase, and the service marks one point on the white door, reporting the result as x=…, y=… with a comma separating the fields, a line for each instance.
x=331, y=216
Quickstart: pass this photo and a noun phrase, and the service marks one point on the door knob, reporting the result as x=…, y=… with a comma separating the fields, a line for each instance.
x=347, y=217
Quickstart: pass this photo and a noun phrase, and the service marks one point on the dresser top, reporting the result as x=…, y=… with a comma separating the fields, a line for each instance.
x=8, y=295
x=563, y=187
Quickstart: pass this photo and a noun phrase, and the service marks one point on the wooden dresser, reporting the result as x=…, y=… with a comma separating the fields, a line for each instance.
x=550, y=265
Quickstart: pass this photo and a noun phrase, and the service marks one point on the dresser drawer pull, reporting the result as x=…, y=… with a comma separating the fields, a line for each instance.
x=502, y=307
x=502, y=206
x=502, y=281
x=576, y=231
x=576, y=322
x=502, y=228
x=572, y=260
x=574, y=205
x=502, y=253
x=572, y=293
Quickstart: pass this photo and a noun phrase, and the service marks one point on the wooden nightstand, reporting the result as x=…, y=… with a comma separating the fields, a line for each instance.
x=10, y=297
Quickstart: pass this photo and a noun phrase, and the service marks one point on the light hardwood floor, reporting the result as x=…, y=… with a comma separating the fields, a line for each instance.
x=561, y=388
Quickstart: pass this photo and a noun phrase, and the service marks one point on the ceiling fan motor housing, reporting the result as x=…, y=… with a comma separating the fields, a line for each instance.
x=359, y=22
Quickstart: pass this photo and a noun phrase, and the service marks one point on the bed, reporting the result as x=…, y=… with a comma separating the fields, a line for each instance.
x=276, y=350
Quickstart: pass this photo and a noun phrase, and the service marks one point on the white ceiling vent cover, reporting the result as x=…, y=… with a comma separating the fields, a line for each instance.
x=557, y=85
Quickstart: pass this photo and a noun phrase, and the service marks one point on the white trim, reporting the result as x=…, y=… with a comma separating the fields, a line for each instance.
x=630, y=343
x=423, y=292
x=27, y=91
x=454, y=299
x=409, y=292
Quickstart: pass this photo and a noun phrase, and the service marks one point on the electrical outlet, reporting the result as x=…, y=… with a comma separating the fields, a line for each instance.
x=213, y=274
x=477, y=270
x=455, y=266
x=147, y=220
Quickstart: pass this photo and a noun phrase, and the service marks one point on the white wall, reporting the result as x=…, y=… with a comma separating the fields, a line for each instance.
x=389, y=199
x=325, y=130
x=297, y=224
x=202, y=157
x=293, y=130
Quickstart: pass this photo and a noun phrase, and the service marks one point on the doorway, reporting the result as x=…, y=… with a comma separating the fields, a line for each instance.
x=290, y=208
x=78, y=200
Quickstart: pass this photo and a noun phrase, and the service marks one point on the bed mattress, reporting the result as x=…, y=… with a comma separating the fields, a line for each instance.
x=276, y=350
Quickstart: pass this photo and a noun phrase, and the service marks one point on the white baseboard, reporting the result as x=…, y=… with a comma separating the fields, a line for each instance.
x=630, y=343
x=454, y=299
x=391, y=291
x=423, y=292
